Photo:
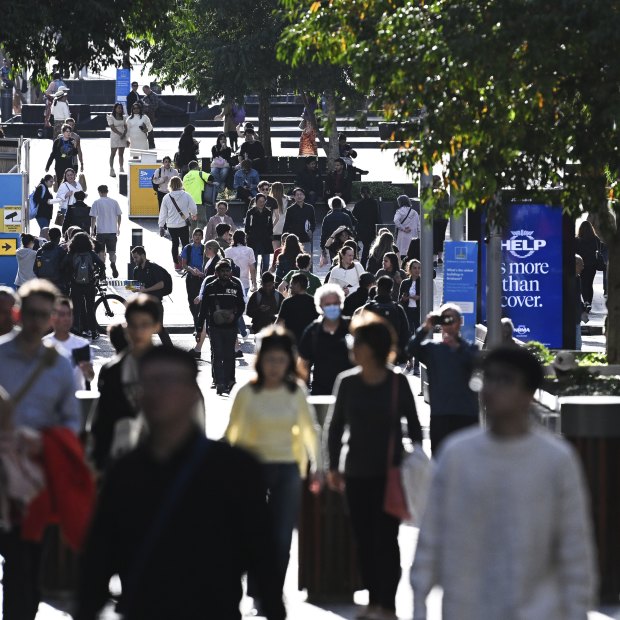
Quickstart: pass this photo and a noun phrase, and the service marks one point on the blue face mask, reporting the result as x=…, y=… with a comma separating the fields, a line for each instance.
x=332, y=312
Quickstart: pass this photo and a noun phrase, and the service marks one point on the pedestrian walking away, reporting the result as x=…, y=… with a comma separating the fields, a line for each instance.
x=259, y=229
x=298, y=311
x=106, y=215
x=509, y=500
x=178, y=211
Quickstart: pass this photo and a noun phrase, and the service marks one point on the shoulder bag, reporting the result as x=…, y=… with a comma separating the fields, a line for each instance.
x=188, y=221
x=599, y=261
x=394, y=501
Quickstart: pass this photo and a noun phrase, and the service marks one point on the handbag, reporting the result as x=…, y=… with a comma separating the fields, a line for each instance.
x=60, y=219
x=416, y=470
x=394, y=501
x=188, y=221
x=21, y=477
x=219, y=162
x=82, y=181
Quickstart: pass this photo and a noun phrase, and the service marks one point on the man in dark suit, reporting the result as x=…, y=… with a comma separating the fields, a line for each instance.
x=181, y=518
x=132, y=97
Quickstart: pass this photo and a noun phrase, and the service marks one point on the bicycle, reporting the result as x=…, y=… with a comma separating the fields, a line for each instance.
x=109, y=307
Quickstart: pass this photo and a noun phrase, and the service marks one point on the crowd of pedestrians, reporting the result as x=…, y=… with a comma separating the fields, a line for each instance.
x=181, y=518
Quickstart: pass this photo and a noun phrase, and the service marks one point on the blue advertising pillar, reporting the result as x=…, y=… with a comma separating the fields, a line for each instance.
x=460, y=281
x=123, y=85
x=11, y=224
x=537, y=274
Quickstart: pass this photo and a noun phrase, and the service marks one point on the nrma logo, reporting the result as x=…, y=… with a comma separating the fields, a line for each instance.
x=144, y=174
x=522, y=243
x=522, y=330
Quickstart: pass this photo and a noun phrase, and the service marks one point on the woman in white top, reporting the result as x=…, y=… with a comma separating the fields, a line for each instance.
x=162, y=177
x=25, y=260
x=60, y=109
x=65, y=195
x=347, y=272
x=243, y=257
x=118, y=136
x=278, y=215
x=177, y=208
x=409, y=297
x=407, y=223
x=138, y=127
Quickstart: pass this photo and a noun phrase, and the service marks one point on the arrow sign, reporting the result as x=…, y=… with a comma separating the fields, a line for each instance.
x=8, y=247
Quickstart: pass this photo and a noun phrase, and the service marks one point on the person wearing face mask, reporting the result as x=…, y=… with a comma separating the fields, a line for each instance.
x=323, y=349
x=222, y=305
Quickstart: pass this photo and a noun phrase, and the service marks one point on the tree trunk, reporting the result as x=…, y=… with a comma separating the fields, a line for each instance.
x=264, y=119
x=332, y=128
x=613, y=301
x=311, y=118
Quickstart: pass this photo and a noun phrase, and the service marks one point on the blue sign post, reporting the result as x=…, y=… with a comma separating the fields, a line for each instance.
x=123, y=85
x=532, y=284
x=11, y=211
x=460, y=281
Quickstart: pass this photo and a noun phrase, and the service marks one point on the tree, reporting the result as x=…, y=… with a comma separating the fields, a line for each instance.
x=76, y=34
x=497, y=100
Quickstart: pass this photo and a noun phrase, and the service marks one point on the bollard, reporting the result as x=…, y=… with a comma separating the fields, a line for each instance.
x=136, y=239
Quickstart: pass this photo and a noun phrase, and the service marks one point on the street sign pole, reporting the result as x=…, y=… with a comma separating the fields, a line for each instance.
x=426, y=250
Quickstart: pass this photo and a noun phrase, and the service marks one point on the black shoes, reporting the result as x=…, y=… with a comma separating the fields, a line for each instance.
x=238, y=353
x=95, y=335
x=114, y=270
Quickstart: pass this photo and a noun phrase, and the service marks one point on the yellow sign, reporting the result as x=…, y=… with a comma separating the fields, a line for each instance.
x=142, y=196
x=11, y=219
x=8, y=247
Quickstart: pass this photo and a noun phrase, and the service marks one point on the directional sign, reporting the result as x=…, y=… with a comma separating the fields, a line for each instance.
x=12, y=219
x=8, y=247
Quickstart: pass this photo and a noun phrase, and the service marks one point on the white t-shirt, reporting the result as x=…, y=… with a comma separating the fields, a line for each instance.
x=243, y=257
x=66, y=348
x=412, y=291
x=106, y=210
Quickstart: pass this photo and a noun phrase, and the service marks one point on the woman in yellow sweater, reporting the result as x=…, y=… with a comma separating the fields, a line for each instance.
x=272, y=418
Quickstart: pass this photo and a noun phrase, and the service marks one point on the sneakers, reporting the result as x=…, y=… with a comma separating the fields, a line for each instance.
x=112, y=173
x=238, y=353
x=114, y=270
x=95, y=335
x=121, y=169
x=197, y=354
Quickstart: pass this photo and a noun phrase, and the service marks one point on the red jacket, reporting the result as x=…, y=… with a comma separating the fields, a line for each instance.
x=70, y=494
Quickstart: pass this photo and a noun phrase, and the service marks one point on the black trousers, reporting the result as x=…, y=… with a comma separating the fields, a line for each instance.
x=366, y=243
x=83, y=298
x=376, y=537
x=587, y=283
x=163, y=334
x=20, y=581
x=192, y=285
x=223, y=353
x=442, y=426
x=178, y=235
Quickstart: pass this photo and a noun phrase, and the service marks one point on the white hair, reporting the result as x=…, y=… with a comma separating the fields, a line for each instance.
x=324, y=291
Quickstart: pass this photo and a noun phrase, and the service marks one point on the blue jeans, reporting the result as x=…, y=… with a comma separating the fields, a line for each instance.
x=264, y=262
x=283, y=484
x=219, y=175
x=43, y=222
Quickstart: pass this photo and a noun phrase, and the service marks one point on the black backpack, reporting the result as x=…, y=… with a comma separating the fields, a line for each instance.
x=48, y=261
x=155, y=186
x=83, y=268
x=166, y=278
x=390, y=312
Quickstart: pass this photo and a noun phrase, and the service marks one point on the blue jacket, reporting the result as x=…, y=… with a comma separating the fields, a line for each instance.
x=449, y=372
x=250, y=179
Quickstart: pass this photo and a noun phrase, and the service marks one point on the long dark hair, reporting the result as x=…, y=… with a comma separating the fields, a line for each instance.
x=45, y=179
x=292, y=248
x=80, y=243
x=114, y=108
x=276, y=337
x=586, y=231
x=218, y=146
x=391, y=256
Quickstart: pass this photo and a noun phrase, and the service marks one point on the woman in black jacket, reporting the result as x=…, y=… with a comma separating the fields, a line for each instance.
x=587, y=245
x=371, y=401
x=221, y=156
x=188, y=149
x=42, y=197
x=64, y=150
x=409, y=299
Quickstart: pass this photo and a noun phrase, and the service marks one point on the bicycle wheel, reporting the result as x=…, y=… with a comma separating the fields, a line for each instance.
x=109, y=309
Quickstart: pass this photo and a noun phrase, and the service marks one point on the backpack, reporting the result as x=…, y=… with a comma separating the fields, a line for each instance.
x=166, y=278
x=390, y=312
x=47, y=263
x=155, y=186
x=83, y=269
x=33, y=207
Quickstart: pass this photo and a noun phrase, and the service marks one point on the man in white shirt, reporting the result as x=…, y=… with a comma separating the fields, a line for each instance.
x=506, y=532
x=105, y=217
x=75, y=348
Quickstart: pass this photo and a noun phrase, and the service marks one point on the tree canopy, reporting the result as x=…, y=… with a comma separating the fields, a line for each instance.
x=76, y=34
x=502, y=93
